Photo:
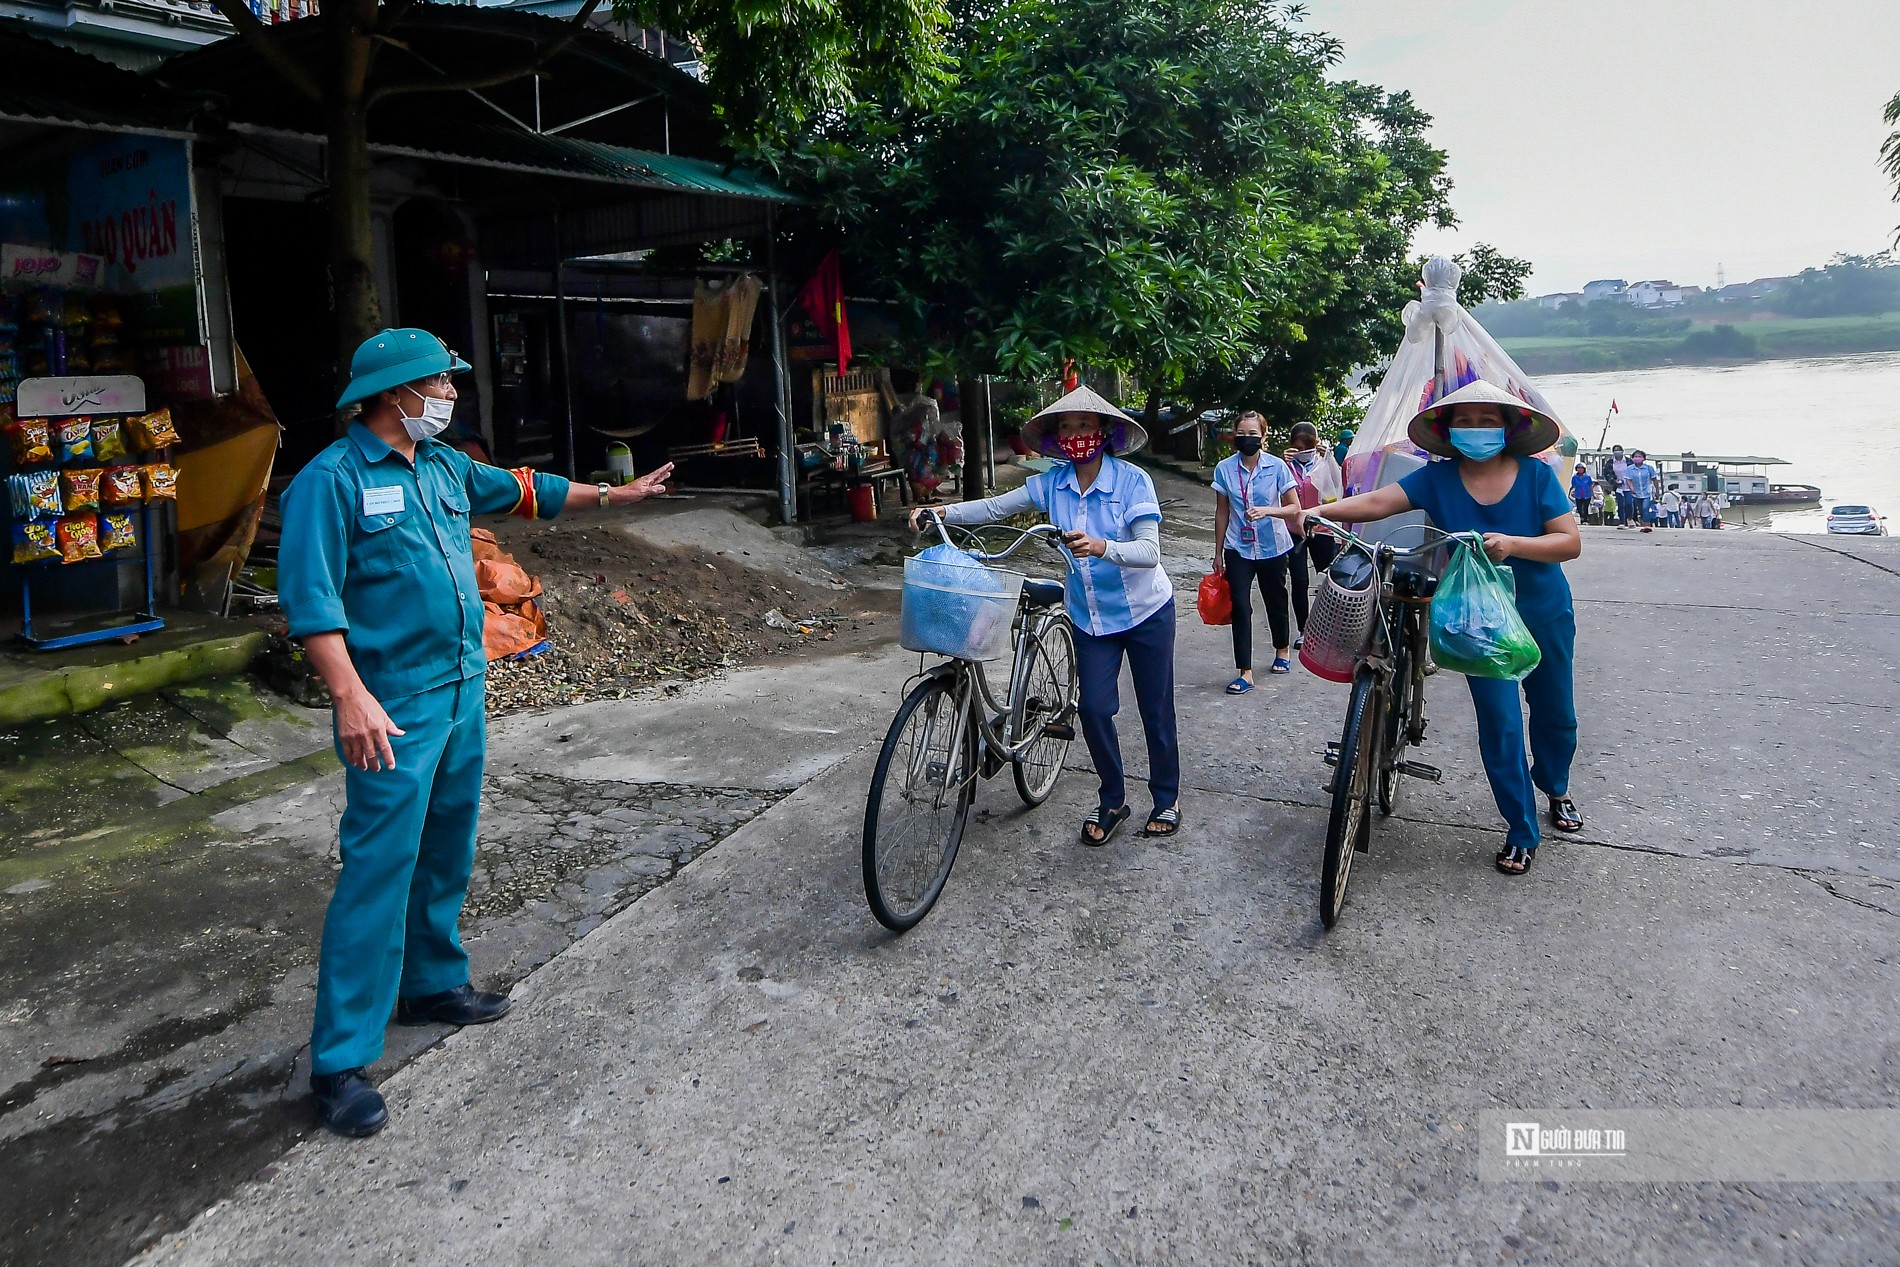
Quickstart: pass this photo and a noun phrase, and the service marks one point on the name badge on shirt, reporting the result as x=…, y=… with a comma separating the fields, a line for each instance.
x=383, y=501
x=1247, y=535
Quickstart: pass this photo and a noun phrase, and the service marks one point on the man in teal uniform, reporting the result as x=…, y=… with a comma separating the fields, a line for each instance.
x=377, y=576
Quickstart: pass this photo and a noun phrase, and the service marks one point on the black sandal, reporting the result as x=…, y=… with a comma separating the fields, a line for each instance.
x=1108, y=822
x=1515, y=859
x=1163, y=822
x=1564, y=815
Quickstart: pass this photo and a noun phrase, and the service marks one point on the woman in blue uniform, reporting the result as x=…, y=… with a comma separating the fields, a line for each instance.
x=1249, y=547
x=1118, y=598
x=1493, y=485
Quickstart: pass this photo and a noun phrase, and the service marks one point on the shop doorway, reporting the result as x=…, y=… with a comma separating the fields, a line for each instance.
x=432, y=257
x=280, y=314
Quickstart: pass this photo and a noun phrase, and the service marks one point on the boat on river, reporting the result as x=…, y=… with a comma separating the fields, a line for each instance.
x=1745, y=479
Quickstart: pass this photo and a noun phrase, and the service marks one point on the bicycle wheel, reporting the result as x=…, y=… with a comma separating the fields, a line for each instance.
x=918, y=804
x=1048, y=698
x=1349, y=826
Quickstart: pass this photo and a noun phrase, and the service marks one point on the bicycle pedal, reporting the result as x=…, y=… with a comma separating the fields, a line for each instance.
x=1059, y=730
x=1330, y=758
x=1419, y=770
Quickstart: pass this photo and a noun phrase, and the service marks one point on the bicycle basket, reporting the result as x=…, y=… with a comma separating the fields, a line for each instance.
x=1340, y=621
x=962, y=610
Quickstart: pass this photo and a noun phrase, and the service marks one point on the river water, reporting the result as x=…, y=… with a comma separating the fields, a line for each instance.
x=1835, y=419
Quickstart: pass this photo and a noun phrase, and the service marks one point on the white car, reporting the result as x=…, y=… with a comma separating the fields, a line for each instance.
x=1856, y=521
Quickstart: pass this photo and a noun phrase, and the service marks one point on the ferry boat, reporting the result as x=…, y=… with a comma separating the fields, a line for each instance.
x=1744, y=479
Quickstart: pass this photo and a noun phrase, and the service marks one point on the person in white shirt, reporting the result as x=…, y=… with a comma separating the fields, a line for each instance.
x=1672, y=507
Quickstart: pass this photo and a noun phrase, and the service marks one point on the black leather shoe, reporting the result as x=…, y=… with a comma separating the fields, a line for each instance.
x=348, y=1104
x=464, y=1005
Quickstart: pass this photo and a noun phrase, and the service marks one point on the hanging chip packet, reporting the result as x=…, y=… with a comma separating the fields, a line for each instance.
x=121, y=487
x=42, y=495
x=152, y=431
x=34, y=542
x=32, y=441
x=108, y=441
x=78, y=537
x=81, y=488
x=117, y=531
x=73, y=439
x=160, y=480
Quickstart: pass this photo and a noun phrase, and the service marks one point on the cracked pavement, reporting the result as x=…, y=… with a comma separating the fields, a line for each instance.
x=1150, y=1053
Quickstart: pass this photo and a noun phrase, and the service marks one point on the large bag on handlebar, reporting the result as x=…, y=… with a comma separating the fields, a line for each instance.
x=957, y=606
x=1476, y=628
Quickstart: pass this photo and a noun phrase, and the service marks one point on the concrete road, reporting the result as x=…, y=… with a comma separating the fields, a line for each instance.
x=1150, y=1052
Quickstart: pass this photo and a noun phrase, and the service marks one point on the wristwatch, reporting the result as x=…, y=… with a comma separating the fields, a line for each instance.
x=605, y=491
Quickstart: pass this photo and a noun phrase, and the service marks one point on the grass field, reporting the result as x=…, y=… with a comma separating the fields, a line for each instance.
x=1777, y=338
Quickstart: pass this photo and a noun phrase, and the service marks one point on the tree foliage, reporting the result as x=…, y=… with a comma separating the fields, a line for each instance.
x=1850, y=286
x=1170, y=187
x=1490, y=276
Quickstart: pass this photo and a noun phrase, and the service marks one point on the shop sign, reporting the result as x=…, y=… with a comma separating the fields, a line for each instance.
x=177, y=373
x=80, y=394
x=39, y=266
x=131, y=205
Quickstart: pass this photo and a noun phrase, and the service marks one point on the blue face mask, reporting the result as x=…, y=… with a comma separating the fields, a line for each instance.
x=1478, y=443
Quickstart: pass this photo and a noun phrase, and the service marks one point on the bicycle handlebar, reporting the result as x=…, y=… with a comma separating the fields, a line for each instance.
x=1472, y=539
x=1022, y=535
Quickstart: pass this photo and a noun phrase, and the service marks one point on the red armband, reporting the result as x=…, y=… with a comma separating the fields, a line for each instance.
x=527, y=507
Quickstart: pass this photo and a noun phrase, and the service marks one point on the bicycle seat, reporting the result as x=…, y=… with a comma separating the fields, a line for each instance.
x=1042, y=593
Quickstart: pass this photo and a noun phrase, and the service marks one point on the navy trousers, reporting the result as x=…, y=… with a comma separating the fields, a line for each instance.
x=1149, y=647
x=1516, y=780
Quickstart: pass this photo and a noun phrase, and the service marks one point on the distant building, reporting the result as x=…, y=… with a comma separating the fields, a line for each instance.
x=1691, y=292
x=1608, y=288
x=1654, y=294
x=1559, y=299
x=135, y=34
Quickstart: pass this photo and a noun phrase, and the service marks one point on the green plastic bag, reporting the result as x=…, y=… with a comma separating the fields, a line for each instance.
x=1476, y=629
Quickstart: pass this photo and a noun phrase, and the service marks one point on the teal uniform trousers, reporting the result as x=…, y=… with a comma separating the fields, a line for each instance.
x=408, y=845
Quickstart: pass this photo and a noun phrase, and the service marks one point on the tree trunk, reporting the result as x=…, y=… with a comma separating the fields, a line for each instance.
x=976, y=438
x=358, y=312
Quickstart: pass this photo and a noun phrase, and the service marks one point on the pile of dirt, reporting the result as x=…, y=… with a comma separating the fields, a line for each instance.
x=624, y=615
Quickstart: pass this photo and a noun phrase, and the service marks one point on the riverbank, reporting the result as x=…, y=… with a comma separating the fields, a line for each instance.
x=1724, y=343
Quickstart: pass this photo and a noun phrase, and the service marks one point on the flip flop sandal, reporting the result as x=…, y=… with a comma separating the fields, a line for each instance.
x=1564, y=815
x=1239, y=686
x=1281, y=665
x=1515, y=859
x=1163, y=822
x=1108, y=822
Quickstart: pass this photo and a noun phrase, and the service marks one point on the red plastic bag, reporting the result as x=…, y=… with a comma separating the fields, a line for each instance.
x=1215, y=600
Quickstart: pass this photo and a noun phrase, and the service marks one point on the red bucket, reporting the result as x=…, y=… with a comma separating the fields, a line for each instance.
x=863, y=499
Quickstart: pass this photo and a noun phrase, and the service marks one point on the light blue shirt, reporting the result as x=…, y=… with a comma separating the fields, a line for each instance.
x=379, y=551
x=1265, y=485
x=1102, y=597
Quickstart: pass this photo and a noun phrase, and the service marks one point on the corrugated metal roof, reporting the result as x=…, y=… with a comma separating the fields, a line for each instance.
x=49, y=83
x=513, y=149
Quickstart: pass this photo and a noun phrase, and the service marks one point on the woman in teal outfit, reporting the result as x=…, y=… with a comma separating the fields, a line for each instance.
x=1493, y=485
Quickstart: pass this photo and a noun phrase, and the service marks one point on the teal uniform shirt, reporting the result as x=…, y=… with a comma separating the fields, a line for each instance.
x=1535, y=499
x=379, y=551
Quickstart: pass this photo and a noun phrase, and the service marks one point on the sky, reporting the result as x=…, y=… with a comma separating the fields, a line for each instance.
x=1645, y=138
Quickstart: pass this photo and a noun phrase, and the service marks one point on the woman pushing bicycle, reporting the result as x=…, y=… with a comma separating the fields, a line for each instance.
x=1494, y=486
x=1117, y=596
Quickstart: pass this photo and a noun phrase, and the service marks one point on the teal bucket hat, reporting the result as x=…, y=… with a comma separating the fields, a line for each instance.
x=395, y=357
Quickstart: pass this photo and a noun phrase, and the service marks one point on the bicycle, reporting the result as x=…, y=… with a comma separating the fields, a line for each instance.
x=951, y=729
x=1385, y=713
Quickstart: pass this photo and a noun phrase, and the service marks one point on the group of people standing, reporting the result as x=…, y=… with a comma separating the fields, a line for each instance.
x=1628, y=491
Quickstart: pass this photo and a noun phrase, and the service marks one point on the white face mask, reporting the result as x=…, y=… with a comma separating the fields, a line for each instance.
x=435, y=418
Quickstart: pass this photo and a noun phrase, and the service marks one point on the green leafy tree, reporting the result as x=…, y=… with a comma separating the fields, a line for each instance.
x=1173, y=188
x=1490, y=276
x=771, y=67
x=1849, y=286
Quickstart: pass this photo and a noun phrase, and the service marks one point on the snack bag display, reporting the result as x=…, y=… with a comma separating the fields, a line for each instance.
x=153, y=430
x=73, y=439
x=117, y=531
x=78, y=537
x=121, y=487
x=108, y=440
x=32, y=441
x=160, y=480
x=80, y=487
x=34, y=543
x=42, y=493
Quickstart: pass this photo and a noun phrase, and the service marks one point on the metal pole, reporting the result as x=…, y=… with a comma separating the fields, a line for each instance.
x=566, y=455
x=781, y=378
x=989, y=427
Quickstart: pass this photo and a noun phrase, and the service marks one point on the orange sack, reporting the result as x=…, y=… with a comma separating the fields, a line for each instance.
x=514, y=620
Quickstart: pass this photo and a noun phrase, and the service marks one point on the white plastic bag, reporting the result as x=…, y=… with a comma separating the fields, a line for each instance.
x=1470, y=353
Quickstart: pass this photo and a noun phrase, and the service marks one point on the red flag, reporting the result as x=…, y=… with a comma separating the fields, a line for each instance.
x=1614, y=409
x=1070, y=378
x=823, y=300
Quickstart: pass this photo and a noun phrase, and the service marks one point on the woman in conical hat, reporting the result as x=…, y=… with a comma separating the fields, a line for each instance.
x=1494, y=485
x=1118, y=598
